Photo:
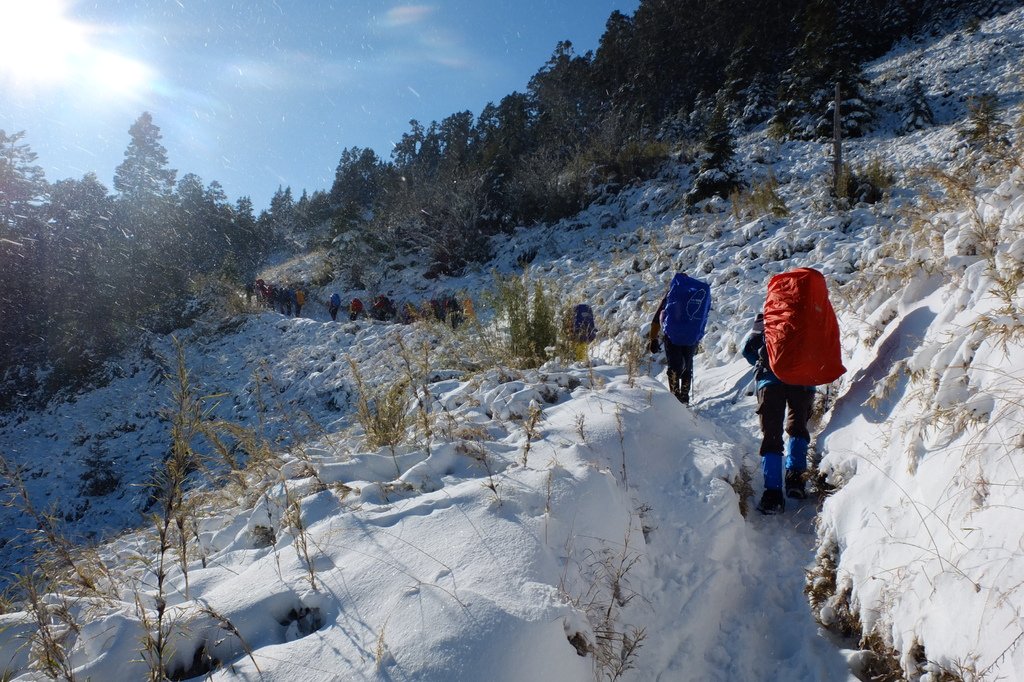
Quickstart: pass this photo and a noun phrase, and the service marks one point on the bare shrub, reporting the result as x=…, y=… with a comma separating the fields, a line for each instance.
x=532, y=432
x=300, y=534
x=55, y=626
x=985, y=128
x=741, y=483
x=867, y=184
x=762, y=198
x=417, y=368
x=606, y=576
x=64, y=563
x=381, y=412
x=829, y=602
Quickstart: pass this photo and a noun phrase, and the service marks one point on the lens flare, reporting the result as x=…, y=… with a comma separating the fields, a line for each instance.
x=44, y=49
x=40, y=43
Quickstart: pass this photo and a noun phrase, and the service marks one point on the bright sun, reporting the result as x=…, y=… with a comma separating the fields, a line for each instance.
x=42, y=47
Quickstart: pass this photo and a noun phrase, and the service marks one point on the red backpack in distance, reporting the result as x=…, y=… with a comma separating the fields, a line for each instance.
x=801, y=333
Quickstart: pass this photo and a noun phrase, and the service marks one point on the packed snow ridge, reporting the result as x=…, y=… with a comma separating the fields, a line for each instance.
x=575, y=521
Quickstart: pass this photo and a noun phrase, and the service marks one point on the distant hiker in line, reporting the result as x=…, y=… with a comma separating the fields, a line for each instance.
x=355, y=309
x=582, y=330
x=408, y=312
x=680, y=322
x=300, y=300
x=287, y=298
x=450, y=311
x=250, y=289
x=382, y=308
x=794, y=346
x=334, y=306
x=276, y=301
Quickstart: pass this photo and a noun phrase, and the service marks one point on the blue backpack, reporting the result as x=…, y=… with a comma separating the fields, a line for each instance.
x=583, y=328
x=335, y=301
x=686, y=310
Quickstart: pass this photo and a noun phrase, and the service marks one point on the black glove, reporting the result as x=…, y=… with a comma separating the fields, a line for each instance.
x=655, y=346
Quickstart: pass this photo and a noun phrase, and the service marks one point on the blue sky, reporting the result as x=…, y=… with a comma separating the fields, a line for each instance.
x=263, y=93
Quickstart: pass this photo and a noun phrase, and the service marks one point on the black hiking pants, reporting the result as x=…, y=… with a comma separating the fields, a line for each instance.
x=783, y=406
x=680, y=369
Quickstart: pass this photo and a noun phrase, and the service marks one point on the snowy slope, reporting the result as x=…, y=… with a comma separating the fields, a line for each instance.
x=580, y=508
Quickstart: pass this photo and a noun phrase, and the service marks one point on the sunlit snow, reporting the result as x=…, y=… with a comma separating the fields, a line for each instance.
x=551, y=511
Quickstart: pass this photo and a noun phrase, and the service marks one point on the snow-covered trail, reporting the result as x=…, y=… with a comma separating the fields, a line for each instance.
x=732, y=606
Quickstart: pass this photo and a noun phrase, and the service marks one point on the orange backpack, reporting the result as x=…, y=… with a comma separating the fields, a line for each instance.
x=801, y=333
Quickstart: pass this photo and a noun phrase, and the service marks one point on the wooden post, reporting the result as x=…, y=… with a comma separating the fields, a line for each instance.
x=837, y=142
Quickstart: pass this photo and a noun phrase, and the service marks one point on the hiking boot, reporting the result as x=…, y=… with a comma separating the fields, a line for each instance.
x=684, y=390
x=772, y=502
x=795, y=485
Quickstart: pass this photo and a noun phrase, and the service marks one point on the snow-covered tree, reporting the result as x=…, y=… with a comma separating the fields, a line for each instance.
x=24, y=242
x=22, y=181
x=716, y=174
x=917, y=112
x=829, y=54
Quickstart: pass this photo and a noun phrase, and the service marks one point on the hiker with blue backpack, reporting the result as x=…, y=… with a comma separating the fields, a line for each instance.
x=334, y=305
x=794, y=346
x=680, y=322
x=582, y=330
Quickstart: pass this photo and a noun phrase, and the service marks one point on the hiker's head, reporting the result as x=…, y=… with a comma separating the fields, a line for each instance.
x=759, y=322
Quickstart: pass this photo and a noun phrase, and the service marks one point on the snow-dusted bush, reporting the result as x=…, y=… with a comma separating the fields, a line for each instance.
x=528, y=313
x=761, y=199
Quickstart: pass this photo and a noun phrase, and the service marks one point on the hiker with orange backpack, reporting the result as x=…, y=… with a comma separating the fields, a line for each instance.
x=794, y=346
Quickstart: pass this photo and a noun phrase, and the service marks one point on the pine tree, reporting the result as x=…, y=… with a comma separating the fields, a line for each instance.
x=24, y=241
x=80, y=331
x=149, y=289
x=202, y=226
x=282, y=213
x=918, y=112
x=756, y=101
x=716, y=175
x=611, y=66
x=830, y=53
x=250, y=244
x=144, y=173
x=563, y=99
x=985, y=128
x=358, y=180
x=506, y=138
x=855, y=107
x=22, y=182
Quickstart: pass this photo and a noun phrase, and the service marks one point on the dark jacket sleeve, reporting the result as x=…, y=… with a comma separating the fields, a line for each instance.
x=656, y=322
x=752, y=347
